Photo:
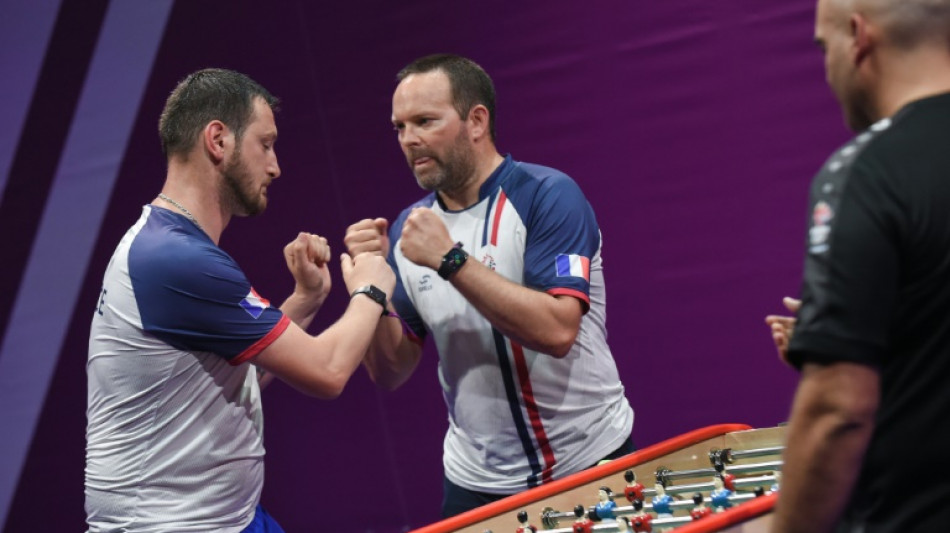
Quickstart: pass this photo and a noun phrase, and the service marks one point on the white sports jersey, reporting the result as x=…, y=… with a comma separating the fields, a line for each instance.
x=174, y=434
x=519, y=418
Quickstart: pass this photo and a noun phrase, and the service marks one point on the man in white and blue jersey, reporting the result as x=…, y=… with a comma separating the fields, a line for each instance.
x=501, y=264
x=174, y=434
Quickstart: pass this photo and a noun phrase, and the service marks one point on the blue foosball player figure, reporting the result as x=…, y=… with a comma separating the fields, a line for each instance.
x=623, y=524
x=662, y=502
x=719, y=497
x=605, y=504
x=778, y=481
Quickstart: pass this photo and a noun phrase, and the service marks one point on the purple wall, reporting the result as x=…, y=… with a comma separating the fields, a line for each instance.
x=692, y=126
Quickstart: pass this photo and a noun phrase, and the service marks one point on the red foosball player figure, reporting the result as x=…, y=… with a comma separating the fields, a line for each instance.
x=634, y=489
x=582, y=524
x=729, y=481
x=700, y=511
x=525, y=526
x=640, y=520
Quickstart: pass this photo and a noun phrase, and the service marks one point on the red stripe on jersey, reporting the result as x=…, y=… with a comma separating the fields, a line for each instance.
x=264, y=342
x=498, y=207
x=563, y=291
x=528, y=395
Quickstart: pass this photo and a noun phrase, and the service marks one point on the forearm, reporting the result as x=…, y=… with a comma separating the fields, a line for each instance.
x=534, y=319
x=829, y=430
x=321, y=366
x=392, y=356
x=346, y=342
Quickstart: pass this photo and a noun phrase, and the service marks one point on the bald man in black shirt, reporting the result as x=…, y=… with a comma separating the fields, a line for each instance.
x=868, y=437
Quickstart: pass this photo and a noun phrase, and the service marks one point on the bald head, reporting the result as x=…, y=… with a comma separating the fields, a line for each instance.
x=906, y=23
x=882, y=54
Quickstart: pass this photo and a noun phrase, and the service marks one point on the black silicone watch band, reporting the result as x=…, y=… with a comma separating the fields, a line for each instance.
x=375, y=293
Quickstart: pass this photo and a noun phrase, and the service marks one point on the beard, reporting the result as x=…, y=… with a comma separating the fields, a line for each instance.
x=239, y=192
x=452, y=170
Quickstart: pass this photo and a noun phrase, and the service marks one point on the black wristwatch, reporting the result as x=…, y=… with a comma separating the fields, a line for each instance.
x=375, y=293
x=452, y=261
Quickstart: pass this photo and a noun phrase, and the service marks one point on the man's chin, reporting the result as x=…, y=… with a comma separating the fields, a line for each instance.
x=427, y=182
x=250, y=211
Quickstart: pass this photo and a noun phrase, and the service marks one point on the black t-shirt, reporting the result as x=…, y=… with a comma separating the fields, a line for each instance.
x=876, y=291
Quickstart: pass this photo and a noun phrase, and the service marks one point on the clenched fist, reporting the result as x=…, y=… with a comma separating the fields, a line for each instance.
x=367, y=269
x=367, y=236
x=425, y=239
x=306, y=258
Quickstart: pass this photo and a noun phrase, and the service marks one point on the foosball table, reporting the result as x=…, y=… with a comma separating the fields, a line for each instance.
x=718, y=478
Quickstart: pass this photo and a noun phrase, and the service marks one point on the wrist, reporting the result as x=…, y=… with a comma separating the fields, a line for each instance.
x=310, y=299
x=373, y=293
x=452, y=261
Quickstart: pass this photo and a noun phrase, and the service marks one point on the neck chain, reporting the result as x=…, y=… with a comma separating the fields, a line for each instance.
x=182, y=209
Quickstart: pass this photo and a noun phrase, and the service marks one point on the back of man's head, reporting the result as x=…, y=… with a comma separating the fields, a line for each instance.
x=206, y=95
x=470, y=84
x=908, y=24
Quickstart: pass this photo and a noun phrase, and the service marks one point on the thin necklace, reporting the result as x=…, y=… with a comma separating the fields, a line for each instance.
x=182, y=209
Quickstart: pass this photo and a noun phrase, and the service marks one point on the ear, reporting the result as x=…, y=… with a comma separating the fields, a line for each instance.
x=478, y=122
x=862, y=38
x=215, y=138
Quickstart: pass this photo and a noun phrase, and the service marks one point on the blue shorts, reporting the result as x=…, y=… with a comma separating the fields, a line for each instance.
x=263, y=523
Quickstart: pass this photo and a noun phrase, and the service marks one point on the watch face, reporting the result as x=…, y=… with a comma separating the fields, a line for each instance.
x=377, y=294
x=373, y=292
x=452, y=261
x=458, y=256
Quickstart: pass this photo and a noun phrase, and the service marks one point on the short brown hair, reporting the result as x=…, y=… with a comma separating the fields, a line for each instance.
x=206, y=95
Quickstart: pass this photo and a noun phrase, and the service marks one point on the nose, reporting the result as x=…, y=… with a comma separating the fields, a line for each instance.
x=408, y=137
x=273, y=168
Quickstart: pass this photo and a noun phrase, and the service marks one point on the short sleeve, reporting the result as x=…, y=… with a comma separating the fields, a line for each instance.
x=196, y=298
x=563, y=239
x=851, y=277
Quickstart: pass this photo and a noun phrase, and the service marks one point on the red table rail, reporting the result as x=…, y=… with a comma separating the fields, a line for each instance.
x=686, y=451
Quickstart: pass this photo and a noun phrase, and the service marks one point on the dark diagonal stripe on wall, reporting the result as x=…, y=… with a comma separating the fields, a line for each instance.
x=41, y=143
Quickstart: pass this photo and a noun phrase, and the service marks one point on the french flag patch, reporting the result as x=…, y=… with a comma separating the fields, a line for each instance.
x=573, y=265
x=254, y=304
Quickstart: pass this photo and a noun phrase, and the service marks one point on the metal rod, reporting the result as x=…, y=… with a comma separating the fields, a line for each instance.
x=759, y=452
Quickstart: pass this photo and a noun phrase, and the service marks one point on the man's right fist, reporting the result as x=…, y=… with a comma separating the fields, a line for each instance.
x=367, y=236
x=367, y=269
